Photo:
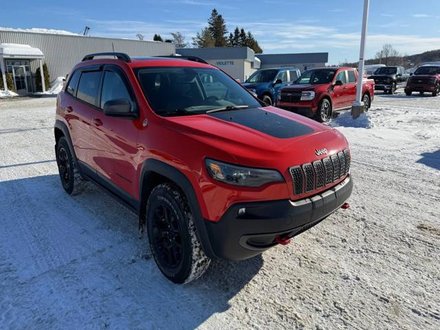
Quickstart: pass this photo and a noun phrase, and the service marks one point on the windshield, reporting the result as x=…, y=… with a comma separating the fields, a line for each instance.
x=386, y=70
x=261, y=76
x=177, y=91
x=316, y=77
x=429, y=70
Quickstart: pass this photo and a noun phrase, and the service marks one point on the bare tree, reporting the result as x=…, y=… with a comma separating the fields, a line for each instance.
x=387, y=53
x=179, y=40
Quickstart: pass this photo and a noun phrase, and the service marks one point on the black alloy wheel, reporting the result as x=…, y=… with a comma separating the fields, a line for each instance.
x=65, y=165
x=172, y=235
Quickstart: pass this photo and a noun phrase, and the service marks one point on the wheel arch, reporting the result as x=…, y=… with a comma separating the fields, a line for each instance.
x=60, y=130
x=155, y=172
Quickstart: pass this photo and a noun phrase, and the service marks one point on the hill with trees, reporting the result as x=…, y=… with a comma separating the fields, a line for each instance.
x=389, y=56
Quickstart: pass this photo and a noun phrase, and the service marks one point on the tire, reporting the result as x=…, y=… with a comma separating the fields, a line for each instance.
x=408, y=93
x=393, y=88
x=71, y=179
x=172, y=235
x=367, y=101
x=267, y=100
x=437, y=90
x=324, y=113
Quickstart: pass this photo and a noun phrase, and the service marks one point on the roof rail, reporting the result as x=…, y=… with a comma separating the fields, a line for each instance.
x=119, y=56
x=189, y=58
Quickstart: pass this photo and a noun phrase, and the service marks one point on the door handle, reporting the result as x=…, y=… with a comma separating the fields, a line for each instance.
x=97, y=122
x=69, y=109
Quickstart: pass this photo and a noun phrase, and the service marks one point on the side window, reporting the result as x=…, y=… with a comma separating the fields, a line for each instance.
x=88, y=87
x=351, y=77
x=73, y=83
x=293, y=75
x=113, y=88
x=341, y=76
x=282, y=75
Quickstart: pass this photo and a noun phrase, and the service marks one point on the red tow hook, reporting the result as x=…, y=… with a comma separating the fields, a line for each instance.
x=282, y=240
x=345, y=206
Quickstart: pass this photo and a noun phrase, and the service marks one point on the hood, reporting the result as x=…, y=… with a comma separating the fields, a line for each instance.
x=300, y=87
x=267, y=137
x=261, y=85
x=382, y=76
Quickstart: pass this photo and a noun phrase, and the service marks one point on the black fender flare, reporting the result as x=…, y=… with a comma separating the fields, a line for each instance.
x=172, y=174
x=65, y=130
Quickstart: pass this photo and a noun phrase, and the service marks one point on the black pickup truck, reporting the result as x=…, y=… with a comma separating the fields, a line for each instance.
x=389, y=78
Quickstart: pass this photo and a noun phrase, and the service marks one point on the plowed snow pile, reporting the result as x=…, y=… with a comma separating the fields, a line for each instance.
x=77, y=262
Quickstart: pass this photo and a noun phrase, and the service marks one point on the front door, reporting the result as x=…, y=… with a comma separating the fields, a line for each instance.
x=19, y=74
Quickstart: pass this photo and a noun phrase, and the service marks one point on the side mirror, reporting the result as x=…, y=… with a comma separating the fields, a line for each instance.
x=411, y=73
x=338, y=83
x=119, y=108
x=278, y=81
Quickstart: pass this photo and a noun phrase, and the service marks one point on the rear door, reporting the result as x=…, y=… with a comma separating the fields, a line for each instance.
x=114, y=141
x=339, y=93
x=83, y=89
x=351, y=88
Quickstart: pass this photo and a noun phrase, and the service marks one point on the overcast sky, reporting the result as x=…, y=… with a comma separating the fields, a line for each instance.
x=280, y=26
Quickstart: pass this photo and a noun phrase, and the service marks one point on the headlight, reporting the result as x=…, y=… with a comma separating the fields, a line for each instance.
x=241, y=176
x=307, y=95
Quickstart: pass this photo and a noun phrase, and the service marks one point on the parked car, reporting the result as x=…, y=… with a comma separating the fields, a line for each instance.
x=425, y=79
x=389, y=78
x=210, y=170
x=318, y=93
x=370, y=69
x=267, y=82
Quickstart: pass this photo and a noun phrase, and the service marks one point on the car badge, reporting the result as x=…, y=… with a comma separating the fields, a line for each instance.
x=320, y=152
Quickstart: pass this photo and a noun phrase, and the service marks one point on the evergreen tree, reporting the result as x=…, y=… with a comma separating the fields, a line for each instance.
x=157, y=37
x=204, y=39
x=252, y=43
x=216, y=35
x=217, y=28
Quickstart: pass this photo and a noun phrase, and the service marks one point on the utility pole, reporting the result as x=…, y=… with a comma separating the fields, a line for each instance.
x=358, y=106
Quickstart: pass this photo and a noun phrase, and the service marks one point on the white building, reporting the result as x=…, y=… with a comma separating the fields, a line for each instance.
x=22, y=52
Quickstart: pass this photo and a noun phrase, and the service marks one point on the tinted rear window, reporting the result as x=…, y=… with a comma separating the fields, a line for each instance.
x=73, y=83
x=88, y=87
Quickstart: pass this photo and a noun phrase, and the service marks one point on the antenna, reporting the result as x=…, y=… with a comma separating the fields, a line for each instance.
x=86, y=30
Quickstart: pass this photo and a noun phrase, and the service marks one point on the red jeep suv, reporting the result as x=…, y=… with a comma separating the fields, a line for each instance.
x=211, y=171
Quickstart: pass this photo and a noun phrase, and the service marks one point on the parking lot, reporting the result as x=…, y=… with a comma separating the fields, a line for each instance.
x=77, y=262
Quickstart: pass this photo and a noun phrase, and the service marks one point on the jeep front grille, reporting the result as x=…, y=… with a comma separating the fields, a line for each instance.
x=311, y=176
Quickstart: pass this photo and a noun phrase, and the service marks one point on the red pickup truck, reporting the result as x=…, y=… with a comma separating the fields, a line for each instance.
x=320, y=92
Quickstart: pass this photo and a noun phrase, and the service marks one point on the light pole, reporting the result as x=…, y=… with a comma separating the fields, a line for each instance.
x=358, y=105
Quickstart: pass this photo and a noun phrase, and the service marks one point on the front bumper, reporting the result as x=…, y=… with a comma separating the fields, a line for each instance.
x=420, y=88
x=248, y=229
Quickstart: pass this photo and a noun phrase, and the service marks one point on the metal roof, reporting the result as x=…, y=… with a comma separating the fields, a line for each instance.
x=229, y=53
x=274, y=59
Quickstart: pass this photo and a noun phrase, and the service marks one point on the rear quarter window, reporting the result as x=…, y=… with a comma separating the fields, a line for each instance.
x=72, y=86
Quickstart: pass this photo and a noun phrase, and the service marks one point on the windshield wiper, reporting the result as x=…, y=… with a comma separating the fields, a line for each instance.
x=228, y=107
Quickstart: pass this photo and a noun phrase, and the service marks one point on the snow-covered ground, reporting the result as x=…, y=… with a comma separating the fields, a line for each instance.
x=77, y=262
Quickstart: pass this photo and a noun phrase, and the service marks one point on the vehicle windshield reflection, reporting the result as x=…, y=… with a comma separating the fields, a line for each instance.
x=182, y=91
